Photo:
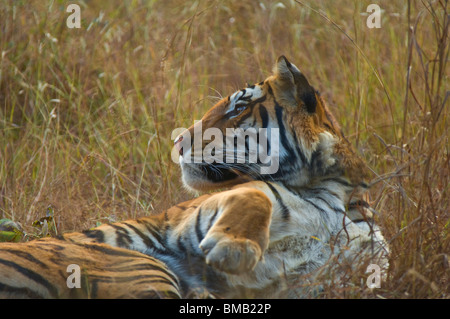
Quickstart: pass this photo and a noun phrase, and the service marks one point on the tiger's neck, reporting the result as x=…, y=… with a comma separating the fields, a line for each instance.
x=354, y=197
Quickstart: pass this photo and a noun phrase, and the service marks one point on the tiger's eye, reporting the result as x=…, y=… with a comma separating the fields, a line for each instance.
x=239, y=108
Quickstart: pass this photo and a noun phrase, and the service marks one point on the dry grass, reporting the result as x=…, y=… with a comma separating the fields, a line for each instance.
x=86, y=114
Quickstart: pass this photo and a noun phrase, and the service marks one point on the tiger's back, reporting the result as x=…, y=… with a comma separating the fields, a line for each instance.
x=53, y=268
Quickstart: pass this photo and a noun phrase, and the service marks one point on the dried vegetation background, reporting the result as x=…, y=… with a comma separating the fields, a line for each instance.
x=86, y=114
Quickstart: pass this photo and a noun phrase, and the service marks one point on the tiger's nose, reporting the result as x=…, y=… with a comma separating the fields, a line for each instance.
x=178, y=146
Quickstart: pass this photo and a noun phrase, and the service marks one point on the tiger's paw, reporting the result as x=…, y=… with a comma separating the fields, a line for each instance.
x=231, y=255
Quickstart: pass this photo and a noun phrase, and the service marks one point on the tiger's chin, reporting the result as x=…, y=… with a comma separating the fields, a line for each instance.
x=205, y=177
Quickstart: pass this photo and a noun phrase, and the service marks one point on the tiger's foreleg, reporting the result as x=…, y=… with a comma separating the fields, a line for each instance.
x=238, y=239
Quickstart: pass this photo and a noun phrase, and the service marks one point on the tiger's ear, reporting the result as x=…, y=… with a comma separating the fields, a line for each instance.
x=293, y=85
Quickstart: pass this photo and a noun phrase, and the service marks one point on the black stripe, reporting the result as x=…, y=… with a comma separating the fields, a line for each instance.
x=264, y=116
x=247, y=148
x=147, y=241
x=151, y=294
x=358, y=203
x=285, y=143
x=96, y=234
x=331, y=120
x=323, y=189
x=309, y=98
x=155, y=263
x=338, y=180
x=315, y=193
x=368, y=220
x=198, y=230
x=317, y=207
x=94, y=289
x=158, y=265
x=172, y=295
x=249, y=107
x=31, y=275
x=291, y=189
x=261, y=99
x=163, y=280
x=120, y=279
x=211, y=220
x=300, y=151
x=165, y=230
x=270, y=89
x=331, y=129
x=283, y=136
x=180, y=244
x=284, y=210
x=297, y=193
x=111, y=250
x=26, y=256
x=317, y=163
x=243, y=93
x=152, y=263
x=131, y=265
x=50, y=245
x=147, y=282
x=329, y=205
x=150, y=228
x=18, y=292
x=123, y=238
x=344, y=182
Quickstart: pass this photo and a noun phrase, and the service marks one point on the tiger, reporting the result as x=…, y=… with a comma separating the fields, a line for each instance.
x=44, y=268
x=251, y=235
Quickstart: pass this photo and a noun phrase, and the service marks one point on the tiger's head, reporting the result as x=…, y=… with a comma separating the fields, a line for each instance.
x=283, y=117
